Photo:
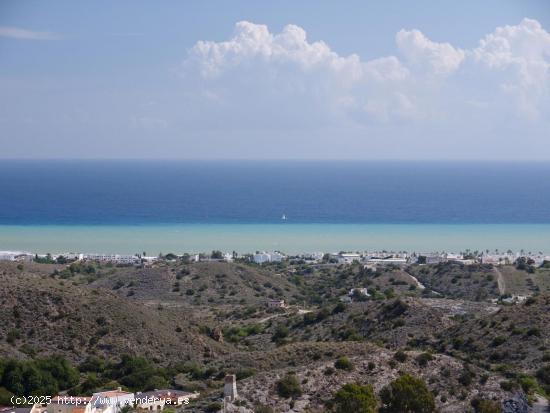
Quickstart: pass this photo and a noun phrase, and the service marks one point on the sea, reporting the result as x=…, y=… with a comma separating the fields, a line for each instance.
x=136, y=206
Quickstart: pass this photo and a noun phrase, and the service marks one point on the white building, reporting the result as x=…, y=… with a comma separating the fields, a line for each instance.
x=263, y=257
x=434, y=258
x=114, y=258
x=69, y=256
x=362, y=291
x=112, y=401
x=15, y=256
x=348, y=258
x=313, y=256
x=275, y=303
x=387, y=261
x=7, y=256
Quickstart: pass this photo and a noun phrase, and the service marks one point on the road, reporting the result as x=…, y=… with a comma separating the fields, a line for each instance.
x=500, y=281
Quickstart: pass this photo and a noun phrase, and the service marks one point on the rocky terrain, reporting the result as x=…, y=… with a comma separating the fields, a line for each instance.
x=196, y=322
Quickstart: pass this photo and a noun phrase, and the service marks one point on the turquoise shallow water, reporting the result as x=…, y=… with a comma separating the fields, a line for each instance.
x=290, y=238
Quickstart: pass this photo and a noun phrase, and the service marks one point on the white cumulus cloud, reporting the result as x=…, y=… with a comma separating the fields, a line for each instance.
x=264, y=78
x=24, y=34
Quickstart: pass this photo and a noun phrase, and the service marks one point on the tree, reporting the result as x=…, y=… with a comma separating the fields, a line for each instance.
x=355, y=398
x=281, y=333
x=407, y=394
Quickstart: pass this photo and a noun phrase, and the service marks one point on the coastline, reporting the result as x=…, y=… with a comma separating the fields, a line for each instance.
x=289, y=238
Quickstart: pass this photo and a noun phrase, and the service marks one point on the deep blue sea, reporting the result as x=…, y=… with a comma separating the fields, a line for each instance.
x=260, y=192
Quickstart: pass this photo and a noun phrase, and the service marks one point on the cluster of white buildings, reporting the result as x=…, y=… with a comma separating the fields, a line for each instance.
x=16, y=256
x=111, y=401
x=368, y=259
x=263, y=257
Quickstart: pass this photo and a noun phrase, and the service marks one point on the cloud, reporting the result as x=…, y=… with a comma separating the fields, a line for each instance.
x=258, y=78
x=438, y=58
x=23, y=34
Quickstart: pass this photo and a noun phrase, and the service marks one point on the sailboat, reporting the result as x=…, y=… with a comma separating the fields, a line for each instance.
x=283, y=217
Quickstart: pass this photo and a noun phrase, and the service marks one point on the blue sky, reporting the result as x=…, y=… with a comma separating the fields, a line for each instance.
x=248, y=79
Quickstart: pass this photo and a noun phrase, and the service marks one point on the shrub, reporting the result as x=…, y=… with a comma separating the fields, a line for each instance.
x=407, y=394
x=371, y=365
x=289, y=387
x=281, y=332
x=466, y=377
x=13, y=335
x=213, y=407
x=262, y=409
x=543, y=374
x=400, y=356
x=485, y=406
x=528, y=384
x=423, y=359
x=507, y=385
x=343, y=363
x=497, y=341
x=355, y=398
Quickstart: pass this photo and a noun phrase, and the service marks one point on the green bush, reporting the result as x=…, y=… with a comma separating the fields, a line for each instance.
x=281, y=333
x=343, y=363
x=355, y=398
x=407, y=394
x=39, y=376
x=528, y=384
x=485, y=406
x=423, y=359
x=289, y=386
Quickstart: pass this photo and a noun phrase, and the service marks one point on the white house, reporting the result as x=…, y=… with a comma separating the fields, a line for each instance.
x=348, y=258
x=112, y=401
x=362, y=291
x=275, y=303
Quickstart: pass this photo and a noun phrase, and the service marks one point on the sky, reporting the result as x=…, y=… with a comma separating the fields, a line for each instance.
x=423, y=80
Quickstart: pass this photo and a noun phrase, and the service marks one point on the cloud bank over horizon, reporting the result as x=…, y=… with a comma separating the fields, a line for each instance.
x=266, y=94
x=283, y=75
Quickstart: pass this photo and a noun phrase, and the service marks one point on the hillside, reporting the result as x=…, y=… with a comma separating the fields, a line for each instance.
x=200, y=284
x=476, y=282
x=44, y=315
x=199, y=321
x=516, y=336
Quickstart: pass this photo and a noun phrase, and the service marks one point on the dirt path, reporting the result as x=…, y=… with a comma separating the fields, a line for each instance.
x=500, y=281
x=540, y=405
x=266, y=319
